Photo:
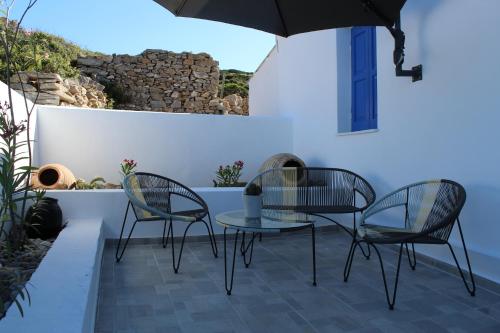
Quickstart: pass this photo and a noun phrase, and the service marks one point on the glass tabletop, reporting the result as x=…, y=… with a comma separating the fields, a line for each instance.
x=271, y=221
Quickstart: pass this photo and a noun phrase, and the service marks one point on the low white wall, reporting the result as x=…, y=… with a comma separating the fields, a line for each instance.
x=185, y=147
x=64, y=287
x=110, y=205
x=445, y=126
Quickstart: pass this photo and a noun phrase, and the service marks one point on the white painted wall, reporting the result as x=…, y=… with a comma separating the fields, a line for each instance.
x=185, y=147
x=110, y=205
x=264, y=87
x=445, y=126
x=21, y=108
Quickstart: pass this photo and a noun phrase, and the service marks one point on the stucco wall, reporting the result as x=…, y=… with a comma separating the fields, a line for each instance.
x=442, y=127
x=264, y=87
x=186, y=147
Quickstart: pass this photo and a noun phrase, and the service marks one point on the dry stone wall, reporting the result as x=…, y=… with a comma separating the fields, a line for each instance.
x=52, y=89
x=155, y=80
x=159, y=80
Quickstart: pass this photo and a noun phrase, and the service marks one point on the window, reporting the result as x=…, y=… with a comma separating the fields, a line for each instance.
x=357, y=79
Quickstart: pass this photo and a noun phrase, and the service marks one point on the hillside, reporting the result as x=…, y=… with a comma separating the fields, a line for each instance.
x=38, y=51
x=233, y=81
x=44, y=52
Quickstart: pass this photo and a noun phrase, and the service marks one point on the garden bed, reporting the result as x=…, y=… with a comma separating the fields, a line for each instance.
x=16, y=268
x=64, y=286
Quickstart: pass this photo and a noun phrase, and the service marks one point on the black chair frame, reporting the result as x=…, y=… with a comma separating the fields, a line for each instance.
x=167, y=216
x=438, y=234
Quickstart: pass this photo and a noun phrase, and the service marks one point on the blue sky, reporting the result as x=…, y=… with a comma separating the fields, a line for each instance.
x=130, y=26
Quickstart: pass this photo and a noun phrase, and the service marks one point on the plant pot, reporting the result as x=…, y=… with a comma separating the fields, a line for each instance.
x=44, y=219
x=252, y=205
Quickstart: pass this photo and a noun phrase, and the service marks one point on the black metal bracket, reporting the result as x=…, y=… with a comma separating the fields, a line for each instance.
x=399, y=43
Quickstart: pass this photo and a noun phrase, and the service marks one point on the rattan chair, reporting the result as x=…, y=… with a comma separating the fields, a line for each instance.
x=430, y=211
x=151, y=198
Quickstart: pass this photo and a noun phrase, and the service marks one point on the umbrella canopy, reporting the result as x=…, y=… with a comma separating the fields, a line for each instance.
x=290, y=17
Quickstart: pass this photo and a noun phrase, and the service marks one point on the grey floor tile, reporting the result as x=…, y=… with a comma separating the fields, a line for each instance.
x=275, y=294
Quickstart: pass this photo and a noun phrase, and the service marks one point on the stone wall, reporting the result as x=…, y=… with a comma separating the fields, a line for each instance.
x=52, y=89
x=158, y=80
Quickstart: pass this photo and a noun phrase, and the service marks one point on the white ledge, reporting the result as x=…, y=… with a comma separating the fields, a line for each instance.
x=375, y=130
x=64, y=287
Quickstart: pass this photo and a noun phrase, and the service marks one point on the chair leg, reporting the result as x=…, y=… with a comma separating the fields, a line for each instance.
x=213, y=244
x=119, y=255
x=390, y=301
x=165, y=240
x=366, y=254
x=413, y=263
x=470, y=289
x=171, y=229
x=350, y=257
x=313, y=232
x=247, y=247
x=211, y=231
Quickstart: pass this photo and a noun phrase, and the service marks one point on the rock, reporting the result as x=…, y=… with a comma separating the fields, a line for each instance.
x=44, y=98
x=158, y=104
x=48, y=77
x=90, y=61
x=214, y=103
x=23, y=86
x=176, y=104
x=63, y=97
x=73, y=89
x=200, y=75
x=43, y=86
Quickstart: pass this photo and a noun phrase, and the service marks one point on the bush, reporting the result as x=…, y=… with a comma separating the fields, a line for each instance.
x=47, y=53
x=233, y=81
x=116, y=94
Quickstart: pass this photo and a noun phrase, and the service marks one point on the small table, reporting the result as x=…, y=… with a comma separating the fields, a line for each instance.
x=271, y=221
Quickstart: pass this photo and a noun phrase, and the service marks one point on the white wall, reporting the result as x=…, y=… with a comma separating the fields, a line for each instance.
x=21, y=108
x=264, y=87
x=445, y=126
x=110, y=205
x=185, y=147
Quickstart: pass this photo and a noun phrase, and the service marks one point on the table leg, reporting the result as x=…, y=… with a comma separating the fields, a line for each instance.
x=249, y=246
x=314, y=253
x=242, y=246
x=230, y=287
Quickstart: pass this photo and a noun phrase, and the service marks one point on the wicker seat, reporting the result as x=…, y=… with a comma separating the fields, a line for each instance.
x=152, y=197
x=430, y=210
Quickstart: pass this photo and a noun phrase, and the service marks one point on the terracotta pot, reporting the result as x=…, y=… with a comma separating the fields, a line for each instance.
x=283, y=160
x=53, y=177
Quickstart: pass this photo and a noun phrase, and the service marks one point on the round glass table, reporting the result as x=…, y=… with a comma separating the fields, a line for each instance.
x=271, y=221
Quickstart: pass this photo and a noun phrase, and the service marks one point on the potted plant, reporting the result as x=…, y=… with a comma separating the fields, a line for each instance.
x=127, y=167
x=252, y=201
x=229, y=175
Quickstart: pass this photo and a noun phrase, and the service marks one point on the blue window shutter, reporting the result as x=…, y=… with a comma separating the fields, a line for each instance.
x=364, y=78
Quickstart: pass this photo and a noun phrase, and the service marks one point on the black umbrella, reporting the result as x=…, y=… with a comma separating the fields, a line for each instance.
x=290, y=17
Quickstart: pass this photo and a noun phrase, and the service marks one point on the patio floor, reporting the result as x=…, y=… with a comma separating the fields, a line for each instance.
x=142, y=294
